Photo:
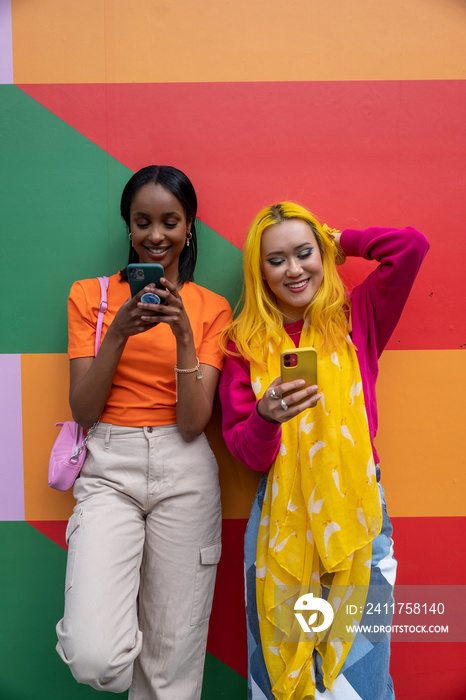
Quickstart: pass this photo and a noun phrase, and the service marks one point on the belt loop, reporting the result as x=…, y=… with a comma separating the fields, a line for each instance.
x=107, y=436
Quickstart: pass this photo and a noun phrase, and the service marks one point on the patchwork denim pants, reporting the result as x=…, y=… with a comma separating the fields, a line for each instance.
x=365, y=673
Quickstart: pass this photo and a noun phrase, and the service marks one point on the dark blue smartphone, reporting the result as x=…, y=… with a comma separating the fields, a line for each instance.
x=142, y=274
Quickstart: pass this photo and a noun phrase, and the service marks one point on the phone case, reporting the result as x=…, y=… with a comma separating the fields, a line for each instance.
x=299, y=363
x=142, y=274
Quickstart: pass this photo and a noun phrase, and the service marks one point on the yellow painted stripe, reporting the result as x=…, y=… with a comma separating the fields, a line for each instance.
x=184, y=41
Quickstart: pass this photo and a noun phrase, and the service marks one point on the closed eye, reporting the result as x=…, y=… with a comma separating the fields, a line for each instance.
x=171, y=223
x=275, y=261
x=305, y=253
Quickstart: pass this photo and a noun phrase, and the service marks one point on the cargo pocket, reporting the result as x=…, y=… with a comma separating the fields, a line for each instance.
x=72, y=536
x=204, y=583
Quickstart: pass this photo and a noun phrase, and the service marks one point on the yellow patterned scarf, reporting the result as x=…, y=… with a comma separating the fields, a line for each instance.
x=320, y=514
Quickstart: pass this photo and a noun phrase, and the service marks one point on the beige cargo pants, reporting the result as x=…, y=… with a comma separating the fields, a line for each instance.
x=144, y=542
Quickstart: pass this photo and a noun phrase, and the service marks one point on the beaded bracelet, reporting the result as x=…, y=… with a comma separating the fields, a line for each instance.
x=187, y=371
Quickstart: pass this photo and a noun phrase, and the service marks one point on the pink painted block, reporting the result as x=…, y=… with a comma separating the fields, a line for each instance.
x=11, y=439
x=6, y=44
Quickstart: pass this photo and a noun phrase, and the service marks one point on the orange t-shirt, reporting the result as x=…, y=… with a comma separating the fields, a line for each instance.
x=143, y=389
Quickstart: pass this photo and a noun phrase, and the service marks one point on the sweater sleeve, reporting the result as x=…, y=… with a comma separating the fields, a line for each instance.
x=251, y=439
x=380, y=299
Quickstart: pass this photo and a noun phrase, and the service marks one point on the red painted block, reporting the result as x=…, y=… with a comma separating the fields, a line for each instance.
x=357, y=153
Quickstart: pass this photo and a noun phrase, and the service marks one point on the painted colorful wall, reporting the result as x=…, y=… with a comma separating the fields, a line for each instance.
x=358, y=111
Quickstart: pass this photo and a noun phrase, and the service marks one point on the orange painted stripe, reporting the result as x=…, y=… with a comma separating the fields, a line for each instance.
x=420, y=442
x=238, y=484
x=421, y=408
x=150, y=41
x=44, y=380
x=61, y=41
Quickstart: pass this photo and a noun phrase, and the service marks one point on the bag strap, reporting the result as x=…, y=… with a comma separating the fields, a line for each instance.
x=102, y=309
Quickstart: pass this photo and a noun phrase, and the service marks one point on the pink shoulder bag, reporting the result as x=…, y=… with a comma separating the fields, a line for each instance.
x=70, y=448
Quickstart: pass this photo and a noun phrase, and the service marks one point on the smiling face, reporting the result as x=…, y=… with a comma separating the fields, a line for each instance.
x=291, y=266
x=158, y=228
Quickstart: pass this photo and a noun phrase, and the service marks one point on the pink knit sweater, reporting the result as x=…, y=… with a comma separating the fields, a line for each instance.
x=377, y=304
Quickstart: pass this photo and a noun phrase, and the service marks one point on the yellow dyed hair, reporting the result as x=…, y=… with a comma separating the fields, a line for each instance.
x=259, y=318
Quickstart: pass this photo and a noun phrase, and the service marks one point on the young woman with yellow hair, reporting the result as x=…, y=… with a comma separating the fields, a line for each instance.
x=319, y=537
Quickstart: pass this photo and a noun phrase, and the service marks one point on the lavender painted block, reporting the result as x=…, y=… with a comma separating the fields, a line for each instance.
x=6, y=43
x=11, y=439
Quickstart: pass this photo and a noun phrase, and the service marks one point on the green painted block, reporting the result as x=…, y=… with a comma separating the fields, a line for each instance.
x=59, y=198
x=221, y=682
x=31, y=591
x=219, y=264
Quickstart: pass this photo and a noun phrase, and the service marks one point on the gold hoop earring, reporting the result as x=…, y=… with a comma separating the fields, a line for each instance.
x=189, y=235
x=129, y=236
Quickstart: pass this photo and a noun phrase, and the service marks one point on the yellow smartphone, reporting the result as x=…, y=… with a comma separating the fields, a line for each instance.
x=299, y=363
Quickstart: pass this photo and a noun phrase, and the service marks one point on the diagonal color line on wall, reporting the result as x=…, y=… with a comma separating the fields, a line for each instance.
x=75, y=210
x=358, y=154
